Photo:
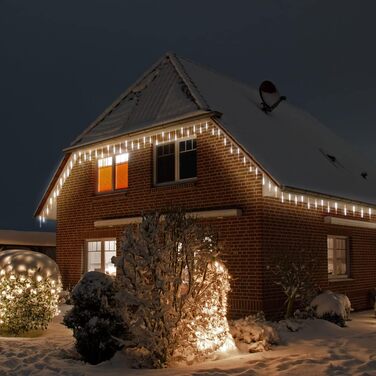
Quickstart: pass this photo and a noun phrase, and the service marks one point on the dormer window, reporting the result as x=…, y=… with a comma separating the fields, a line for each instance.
x=175, y=161
x=110, y=178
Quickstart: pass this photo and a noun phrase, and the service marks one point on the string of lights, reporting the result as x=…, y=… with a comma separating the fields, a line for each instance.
x=270, y=187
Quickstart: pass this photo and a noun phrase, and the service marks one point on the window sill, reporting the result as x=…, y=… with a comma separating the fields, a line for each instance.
x=339, y=279
x=176, y=184
x=110, y=194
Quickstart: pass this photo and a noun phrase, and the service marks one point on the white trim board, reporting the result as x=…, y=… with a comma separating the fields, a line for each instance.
x=349, y=222
x=221, y=213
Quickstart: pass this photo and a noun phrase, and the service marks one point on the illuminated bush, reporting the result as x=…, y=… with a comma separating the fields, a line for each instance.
x=29, y=291
x=175, y=290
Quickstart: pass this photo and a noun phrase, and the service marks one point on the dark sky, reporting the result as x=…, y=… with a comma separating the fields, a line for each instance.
x=64, y=62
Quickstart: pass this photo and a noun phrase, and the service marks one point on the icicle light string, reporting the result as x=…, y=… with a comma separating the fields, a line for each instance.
x=160, y=137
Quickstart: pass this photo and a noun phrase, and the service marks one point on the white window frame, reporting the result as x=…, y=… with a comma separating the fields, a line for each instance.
x=111, y=162
x=347, y=241
x=103, y=258
x=177, y=162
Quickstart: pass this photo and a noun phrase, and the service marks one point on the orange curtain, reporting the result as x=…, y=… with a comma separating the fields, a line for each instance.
x=105, y=179
x=121, y=178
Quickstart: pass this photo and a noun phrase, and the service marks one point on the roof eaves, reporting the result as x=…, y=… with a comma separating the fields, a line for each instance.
x=325, y=195
x=185, y=117
x=50, y=185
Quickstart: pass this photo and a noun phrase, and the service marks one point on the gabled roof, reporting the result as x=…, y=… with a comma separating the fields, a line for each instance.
x=292, y=146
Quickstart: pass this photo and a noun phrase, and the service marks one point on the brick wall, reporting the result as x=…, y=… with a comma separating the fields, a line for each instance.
x=250, y=241
x=222, y=182
x=292, y=229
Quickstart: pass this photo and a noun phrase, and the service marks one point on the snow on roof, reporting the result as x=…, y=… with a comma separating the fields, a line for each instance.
x=291, y=145
x=27, y=238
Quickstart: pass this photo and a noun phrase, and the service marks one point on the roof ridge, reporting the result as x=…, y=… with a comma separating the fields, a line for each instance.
x=195, y=92
x=218, y=73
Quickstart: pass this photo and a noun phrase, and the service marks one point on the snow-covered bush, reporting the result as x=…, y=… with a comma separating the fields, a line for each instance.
x=95, y=318
x=294, y=273
x=332, y=307
x=253, y=334
x=175, y=287
x=29, y=291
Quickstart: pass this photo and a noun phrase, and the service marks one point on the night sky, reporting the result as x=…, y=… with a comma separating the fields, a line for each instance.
x=63, y=62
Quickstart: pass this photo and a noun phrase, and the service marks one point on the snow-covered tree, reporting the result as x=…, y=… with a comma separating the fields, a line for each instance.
x=95, y=318
x=175, y=288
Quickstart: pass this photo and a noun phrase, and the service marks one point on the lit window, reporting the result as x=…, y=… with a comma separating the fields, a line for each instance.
x=109, y=178
x=99, y=256
x=105, y=174
x=338, y=256
x=175, y=161
x=121, y=171
x=94, y=256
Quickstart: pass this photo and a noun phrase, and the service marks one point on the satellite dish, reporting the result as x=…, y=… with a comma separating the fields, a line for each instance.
x=269, y=96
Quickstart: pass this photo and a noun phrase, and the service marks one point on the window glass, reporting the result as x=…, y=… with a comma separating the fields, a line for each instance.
x=109, y=252
x=121, y=171
x=338, y=256
x=165, y=163
x=99, y=256
x=105, y=175
x=187, y=159
x=94, y=256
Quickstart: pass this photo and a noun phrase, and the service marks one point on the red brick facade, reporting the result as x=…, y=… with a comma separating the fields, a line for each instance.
x=265, y=228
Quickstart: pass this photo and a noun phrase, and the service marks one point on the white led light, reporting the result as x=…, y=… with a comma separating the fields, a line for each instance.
x=122, y=158
x=105, y=162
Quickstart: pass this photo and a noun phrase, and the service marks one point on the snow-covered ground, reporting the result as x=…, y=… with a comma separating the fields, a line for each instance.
x=319, y=348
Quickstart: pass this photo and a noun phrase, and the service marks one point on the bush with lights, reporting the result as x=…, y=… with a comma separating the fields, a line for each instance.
x=29, y=293
x=175, y=290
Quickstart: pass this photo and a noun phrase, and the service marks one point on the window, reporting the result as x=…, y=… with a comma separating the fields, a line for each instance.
x=175, y=161
x=110, y=178
x=99, y=255
x=338, y=256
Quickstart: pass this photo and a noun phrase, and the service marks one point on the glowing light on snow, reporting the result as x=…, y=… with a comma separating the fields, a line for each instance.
x=217, y=335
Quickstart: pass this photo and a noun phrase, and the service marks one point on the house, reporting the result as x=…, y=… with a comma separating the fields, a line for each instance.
x=44, y=242
x=270, y=183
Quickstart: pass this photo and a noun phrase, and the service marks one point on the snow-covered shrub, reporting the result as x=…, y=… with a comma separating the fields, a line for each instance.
x=175, y=287
x=332, y=307
x=29, y=291
x=294, y=273
x=253, y=334
x=95, y=318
